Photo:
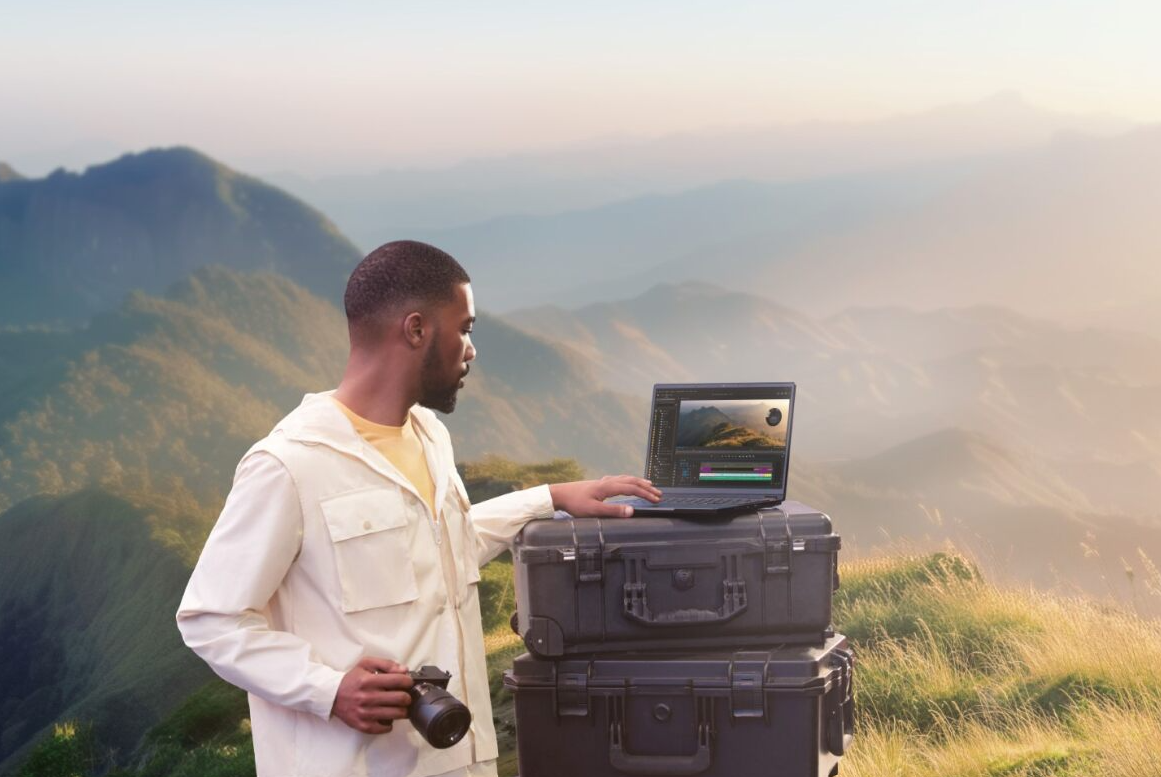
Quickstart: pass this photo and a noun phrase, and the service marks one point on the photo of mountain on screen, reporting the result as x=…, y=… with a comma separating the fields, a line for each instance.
x=733, y=423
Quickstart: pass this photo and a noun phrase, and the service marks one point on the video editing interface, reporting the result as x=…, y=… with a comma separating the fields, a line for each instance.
x=720, y=437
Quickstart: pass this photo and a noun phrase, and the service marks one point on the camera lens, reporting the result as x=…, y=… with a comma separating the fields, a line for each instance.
x=441, y=718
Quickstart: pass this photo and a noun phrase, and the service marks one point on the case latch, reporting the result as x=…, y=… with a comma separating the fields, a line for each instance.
x=589, y=565
x=778, y=551
x=572, y=694
x=778, y=557
x=747, y=694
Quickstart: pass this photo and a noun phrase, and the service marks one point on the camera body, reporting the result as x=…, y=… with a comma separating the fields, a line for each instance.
x=441, y=718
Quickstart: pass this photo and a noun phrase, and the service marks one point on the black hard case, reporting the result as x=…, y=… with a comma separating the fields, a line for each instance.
x=785, y=712
x=586, y=585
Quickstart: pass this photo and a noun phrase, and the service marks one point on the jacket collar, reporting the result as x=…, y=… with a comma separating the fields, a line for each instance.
x=317, y=421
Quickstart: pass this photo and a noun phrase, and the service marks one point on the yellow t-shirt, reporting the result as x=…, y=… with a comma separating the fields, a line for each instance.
x=401, y=446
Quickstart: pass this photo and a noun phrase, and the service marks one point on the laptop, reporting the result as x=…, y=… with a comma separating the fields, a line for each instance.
x=717, y=448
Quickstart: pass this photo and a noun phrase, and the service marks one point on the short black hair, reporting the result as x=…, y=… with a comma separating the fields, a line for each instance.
x=403, y=271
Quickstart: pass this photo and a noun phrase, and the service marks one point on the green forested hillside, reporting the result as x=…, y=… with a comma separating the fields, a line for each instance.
x=169, y=394
x=158, y=399
x=72, y=245
x=87, y=596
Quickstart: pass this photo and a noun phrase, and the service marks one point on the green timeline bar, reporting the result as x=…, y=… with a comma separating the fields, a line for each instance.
x=736, y=476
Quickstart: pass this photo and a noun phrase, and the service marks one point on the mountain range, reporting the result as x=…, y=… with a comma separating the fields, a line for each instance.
x=709, y=427
x=621, y=249
x=72, y=245
x=376, y=206
x=1017, y=516
x=938, y=206
x=946, y=234
x=1025, y=433
x=164, y=394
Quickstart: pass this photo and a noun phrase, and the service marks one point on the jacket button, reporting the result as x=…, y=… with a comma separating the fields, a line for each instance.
x=366, y=524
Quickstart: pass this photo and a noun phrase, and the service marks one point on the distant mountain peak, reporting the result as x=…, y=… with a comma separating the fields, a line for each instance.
x=76, y=243
x=8, y=174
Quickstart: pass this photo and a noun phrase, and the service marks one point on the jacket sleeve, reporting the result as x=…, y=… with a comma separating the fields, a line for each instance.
x=497, y=521
x=223, y=616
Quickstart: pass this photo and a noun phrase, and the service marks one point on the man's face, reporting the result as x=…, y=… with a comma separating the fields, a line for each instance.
x=445, y=364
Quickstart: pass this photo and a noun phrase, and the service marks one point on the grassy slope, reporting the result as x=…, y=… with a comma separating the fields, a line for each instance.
x=959, y=677
x=955, y=677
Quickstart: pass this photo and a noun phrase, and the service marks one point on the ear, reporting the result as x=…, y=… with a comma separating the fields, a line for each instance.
x=414, y=329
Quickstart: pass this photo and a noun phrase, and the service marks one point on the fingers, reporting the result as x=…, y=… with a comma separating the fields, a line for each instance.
x=373, y=694
x=384, y=699
x=375, y=709
x=586, y=497
x=628, y=485
x=380, y=681
x=384, y=665
x=386, y=714
x=597, y=509
x=607, y=510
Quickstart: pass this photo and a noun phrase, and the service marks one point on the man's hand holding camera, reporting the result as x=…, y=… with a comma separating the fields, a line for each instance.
x=373, y=694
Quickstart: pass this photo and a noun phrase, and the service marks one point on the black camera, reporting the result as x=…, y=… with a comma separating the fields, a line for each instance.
x=441, y=718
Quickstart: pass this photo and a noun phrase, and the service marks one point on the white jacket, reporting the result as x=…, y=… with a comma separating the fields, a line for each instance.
x=324, y=553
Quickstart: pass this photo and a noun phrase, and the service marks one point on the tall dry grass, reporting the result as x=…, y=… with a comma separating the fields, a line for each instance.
x=959, y=677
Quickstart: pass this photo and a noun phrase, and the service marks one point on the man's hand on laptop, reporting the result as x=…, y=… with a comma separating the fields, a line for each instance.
x=586, y=498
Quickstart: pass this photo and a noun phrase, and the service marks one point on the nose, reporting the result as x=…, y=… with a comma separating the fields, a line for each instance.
x=470, y=353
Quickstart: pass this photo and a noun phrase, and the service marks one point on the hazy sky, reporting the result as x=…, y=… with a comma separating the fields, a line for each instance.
x=344, y=86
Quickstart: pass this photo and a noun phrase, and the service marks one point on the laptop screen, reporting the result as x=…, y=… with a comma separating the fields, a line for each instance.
x=724, y=436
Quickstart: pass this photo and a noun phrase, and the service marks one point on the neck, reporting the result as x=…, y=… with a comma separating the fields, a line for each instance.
x=383, y=396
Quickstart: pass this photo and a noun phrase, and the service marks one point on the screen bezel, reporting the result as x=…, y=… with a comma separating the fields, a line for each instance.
x=774, y=492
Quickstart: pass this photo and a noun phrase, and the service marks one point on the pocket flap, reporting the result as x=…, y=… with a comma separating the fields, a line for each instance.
x=368, y=510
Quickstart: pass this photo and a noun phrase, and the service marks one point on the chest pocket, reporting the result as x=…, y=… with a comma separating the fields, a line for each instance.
x=457, y=499
x=372, y=548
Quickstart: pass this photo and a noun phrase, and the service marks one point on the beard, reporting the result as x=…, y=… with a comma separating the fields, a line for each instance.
x=436, y=393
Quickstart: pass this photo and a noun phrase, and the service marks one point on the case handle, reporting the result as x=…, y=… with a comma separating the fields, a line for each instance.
x=660, y=764
x=841, y=725
x=734, y=600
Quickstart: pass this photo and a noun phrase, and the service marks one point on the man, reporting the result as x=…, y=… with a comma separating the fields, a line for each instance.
x=347, y=551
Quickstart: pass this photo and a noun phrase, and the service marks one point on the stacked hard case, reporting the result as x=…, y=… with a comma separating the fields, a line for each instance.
x=662, y=646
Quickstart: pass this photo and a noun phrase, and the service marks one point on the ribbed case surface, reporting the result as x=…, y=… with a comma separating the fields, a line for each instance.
x=784, y=712
x=587, y=585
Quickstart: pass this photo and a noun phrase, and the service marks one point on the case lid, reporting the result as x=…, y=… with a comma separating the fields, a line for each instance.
x=804, y=668
x=792, y=524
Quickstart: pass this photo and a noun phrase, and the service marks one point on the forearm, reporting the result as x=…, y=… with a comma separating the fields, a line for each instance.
x=243, y=650
x=497, y=521
x=224, y=615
